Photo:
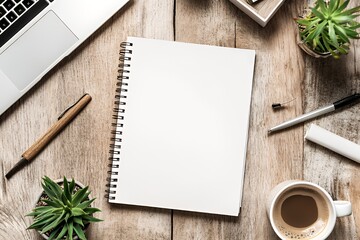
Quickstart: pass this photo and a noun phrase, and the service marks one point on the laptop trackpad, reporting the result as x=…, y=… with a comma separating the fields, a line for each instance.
x=32, y=53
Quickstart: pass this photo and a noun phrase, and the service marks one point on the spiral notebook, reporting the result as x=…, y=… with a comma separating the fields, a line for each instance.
x=181, y=123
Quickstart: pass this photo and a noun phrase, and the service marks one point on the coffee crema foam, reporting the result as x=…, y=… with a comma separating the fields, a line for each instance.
x=315, y=227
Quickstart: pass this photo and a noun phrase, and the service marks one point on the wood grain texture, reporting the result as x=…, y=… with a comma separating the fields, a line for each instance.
x=327, y=81
x=268, y=160
x=282, y=72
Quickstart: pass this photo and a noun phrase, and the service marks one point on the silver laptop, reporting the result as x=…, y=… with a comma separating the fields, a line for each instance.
x=36, y=34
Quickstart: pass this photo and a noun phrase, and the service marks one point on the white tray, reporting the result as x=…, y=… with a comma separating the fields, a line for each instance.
x=261, y=12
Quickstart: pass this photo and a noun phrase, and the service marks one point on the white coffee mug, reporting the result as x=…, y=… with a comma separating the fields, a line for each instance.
x=318, y=231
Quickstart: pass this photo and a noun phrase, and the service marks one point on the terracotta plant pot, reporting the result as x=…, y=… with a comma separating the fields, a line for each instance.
x=60, y=181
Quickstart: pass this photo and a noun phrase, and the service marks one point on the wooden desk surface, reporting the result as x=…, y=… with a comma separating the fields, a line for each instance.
x=282, y=72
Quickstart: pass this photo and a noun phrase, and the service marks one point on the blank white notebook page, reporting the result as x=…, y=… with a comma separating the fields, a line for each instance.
x=185, y=127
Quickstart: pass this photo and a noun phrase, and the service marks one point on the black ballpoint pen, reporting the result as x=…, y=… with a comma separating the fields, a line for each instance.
x=324, y=110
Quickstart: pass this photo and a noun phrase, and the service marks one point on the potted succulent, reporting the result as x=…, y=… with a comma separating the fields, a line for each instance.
x=326, y=29
x=63, y=211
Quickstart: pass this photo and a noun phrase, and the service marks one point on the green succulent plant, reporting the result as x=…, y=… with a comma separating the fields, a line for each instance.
x=329, y=27
x=63, y=211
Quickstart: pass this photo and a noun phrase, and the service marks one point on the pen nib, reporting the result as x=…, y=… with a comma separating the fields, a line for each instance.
x=16, y=168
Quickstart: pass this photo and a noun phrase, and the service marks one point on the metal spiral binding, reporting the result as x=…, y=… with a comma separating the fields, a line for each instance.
x=119, y=109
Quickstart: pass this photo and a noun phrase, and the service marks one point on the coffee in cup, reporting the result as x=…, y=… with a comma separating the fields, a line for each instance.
x=303, y=210
x=301, y=213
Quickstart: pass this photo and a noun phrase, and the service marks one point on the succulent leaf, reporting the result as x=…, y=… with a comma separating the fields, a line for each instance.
x=49, y=192
x=90, y=210
x=67, y=190
x=41, y=222
x=70, y=230
x=78, y=221
x=333, y=5
x=85, y=204
x=79, y=195
x=53, y=186
x=333, y=35
x=79, y=232
x=53, y=233
x=91, y=219
x=55, y=203
x=65, y=200
x=67, y=217
x=63, y=232
x=342, y=7
x=53, y=224
x=72, y=186
x=46, y=213
x=77, y=212
x=318, y=14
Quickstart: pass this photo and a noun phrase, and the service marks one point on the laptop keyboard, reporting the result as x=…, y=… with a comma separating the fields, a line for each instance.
x=15, y=14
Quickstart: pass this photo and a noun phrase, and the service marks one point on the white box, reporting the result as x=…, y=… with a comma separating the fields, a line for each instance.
x=261, y=12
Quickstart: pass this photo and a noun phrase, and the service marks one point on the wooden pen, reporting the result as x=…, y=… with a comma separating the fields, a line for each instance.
x=63, y=120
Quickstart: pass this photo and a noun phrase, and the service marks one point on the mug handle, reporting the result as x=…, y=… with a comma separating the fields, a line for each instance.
x=343, y=208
